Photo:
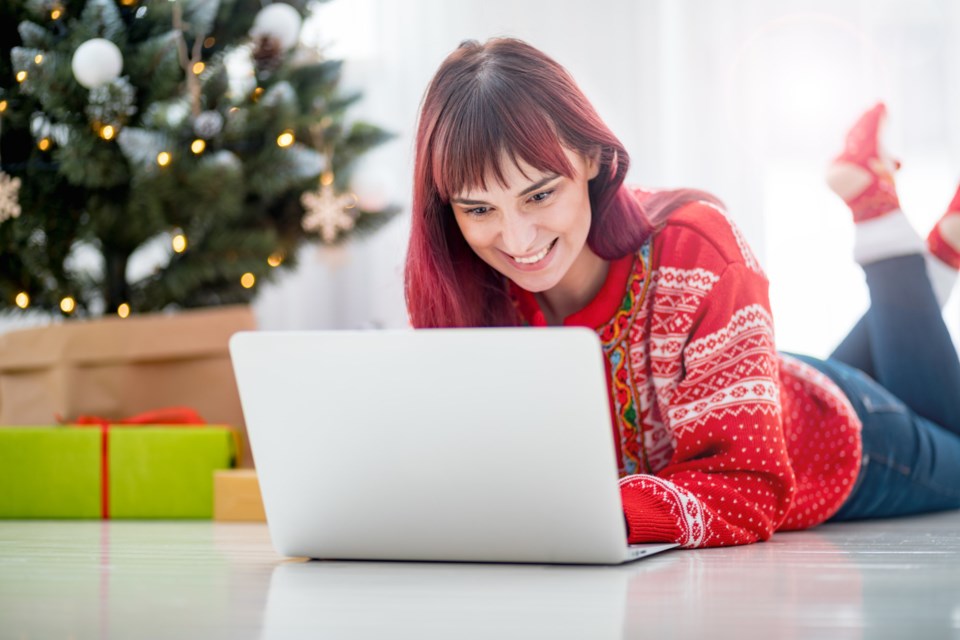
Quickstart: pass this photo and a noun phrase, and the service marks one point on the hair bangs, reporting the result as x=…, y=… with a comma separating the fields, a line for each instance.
x=473, y=140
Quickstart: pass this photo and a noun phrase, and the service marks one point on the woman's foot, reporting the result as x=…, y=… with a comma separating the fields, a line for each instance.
x=863, y=174
x=944, y=238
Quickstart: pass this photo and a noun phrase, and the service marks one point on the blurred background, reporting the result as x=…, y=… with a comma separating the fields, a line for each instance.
x=748, y=99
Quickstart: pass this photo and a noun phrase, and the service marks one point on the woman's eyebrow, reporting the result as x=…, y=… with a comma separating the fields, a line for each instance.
x=465, y=201
x=533, y=187
x=539, y=183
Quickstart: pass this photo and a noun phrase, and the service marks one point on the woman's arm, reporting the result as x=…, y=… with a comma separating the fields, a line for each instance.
x=715, y=372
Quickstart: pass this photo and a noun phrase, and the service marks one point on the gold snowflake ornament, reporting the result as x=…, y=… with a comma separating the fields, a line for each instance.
x=9, y=189
x=327, y=212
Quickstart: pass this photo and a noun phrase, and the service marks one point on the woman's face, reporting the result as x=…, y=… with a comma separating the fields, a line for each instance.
x=533, y=228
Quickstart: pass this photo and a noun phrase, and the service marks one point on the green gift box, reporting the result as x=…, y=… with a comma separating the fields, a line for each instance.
x=112, y=471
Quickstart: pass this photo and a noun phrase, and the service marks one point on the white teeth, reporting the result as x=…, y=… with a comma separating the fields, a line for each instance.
x=536, y=258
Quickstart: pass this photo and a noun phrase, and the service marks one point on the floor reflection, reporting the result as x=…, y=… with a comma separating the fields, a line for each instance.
x=763, y=591
x=365, y=600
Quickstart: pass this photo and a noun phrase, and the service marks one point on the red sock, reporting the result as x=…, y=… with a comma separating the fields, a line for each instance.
x=944, y=245
x=862, y=148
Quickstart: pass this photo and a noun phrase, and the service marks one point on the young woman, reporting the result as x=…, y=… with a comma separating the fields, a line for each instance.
x=520, y=217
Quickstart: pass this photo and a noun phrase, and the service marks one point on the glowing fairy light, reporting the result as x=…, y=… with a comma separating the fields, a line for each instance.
x=285, y=139
x=179, y=243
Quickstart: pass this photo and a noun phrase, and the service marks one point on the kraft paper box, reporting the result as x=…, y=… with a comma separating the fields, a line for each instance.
x=148, y=472
x=236, y=496
x=115, y=368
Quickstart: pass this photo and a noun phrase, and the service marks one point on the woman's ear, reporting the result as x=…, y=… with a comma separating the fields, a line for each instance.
x=593, y=164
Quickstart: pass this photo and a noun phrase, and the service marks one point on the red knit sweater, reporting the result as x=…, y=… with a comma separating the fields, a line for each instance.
x=721, y=440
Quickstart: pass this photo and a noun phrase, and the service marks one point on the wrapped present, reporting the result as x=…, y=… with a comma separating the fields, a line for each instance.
x=116, y=367
x=236, y=496
x=112, y=471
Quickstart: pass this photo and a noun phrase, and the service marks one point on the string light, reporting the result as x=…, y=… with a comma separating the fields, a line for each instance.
x=247, y=280
x=179, y=243
x=55, y=14
x=21, y=76
x=44, y=144
x=197, y=146
x=3, y=106
x=68, y=304
x=163, y=158
x=198, y=68
x=326, y=179
x=275, y=260
x=209, y=42
x=257, y=93
x=128, y=3
x=38, y=58
x=123, y=310
x=285, y=139
x=23, y=300
x=107, y=132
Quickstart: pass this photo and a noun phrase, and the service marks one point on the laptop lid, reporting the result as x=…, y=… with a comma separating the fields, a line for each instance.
x=453, y=444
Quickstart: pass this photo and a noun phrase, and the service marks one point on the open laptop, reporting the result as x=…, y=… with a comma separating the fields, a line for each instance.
x=478, y=445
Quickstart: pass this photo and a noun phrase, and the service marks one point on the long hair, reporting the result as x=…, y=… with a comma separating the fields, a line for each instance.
x=487, y=102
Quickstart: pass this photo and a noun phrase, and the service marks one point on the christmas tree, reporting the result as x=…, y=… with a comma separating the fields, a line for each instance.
x=198, y=133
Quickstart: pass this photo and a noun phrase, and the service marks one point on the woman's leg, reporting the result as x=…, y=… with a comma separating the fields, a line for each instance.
x=942, y=264
x=855, y=350
x=910, y=465
x=911, y=351
x=901, y=341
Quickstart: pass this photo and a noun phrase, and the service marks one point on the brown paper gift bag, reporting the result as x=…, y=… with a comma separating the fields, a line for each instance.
x=115, y=368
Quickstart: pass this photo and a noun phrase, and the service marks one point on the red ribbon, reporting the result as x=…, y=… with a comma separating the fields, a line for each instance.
x=165, y=416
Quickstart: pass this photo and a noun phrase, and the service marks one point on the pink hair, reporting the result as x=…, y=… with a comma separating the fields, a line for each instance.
x=507, y=99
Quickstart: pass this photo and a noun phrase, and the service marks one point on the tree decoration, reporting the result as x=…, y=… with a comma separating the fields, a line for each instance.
x=97, y=62
x=328, y=213
x=280, y=22
x=208, y=124
x=9, y=189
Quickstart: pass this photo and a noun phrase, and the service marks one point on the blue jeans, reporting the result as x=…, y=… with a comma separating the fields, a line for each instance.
x=900, y=370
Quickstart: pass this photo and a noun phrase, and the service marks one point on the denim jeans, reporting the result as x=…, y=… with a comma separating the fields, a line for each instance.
x=900, y=370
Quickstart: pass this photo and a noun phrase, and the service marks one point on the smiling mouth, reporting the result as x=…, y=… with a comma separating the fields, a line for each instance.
x=537, y=257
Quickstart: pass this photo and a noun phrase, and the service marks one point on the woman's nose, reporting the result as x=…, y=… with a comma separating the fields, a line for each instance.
x=519, y=234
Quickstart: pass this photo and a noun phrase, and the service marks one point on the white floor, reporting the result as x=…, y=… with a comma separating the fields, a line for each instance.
x=884, y=579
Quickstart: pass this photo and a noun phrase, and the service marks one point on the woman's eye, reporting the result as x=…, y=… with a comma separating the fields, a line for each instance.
x=477, y=211
x=540, y=197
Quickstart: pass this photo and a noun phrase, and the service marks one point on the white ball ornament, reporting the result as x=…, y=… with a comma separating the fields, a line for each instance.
x=97, y=62
x=278, y=21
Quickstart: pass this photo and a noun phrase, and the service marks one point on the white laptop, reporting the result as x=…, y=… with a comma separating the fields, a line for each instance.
x=477, y=445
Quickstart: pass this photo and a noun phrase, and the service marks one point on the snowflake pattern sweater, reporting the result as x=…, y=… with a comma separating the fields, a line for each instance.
x=720, y=439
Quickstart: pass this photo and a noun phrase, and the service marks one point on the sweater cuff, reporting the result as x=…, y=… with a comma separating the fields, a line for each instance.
x=647, y=519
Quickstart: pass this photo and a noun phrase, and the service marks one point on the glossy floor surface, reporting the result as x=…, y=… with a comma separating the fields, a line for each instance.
x=884, y=579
